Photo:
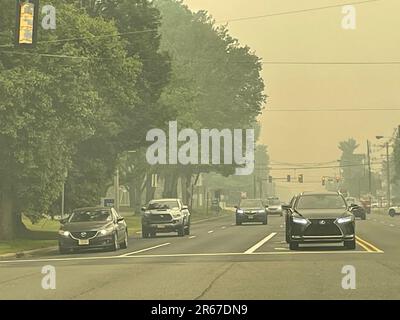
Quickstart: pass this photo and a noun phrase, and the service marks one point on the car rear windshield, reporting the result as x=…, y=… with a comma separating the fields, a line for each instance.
x=170, y=204
x=251, y=204
x=321, y=202
x=91, y=216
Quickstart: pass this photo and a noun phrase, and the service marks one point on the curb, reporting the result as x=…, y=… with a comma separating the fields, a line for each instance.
x=23, y=254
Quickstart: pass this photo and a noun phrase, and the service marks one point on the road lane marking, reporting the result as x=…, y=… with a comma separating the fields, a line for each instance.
x=144, y=250
x=391, y=225
x=223, y=227
x=185, y=255
x=260, y=243
x=368, y=246
x=192, y=237
x=211, y=231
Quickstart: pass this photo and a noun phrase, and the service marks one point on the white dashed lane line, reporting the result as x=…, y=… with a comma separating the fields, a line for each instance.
x=260, y=243
x=211, y=231
x=144, y=250
x=192, y=237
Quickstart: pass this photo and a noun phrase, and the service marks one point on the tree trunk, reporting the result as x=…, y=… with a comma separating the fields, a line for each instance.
x=170, y=185
x=7, y=223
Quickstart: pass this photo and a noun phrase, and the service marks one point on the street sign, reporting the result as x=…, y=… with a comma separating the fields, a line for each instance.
x=107, y=202
x=27, y=21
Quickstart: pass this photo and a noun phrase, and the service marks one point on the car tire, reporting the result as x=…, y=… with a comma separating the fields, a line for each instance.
x=350, y=245
x=187, y=230
x=124, y=243
x=115, y=245
x=153, y=234
x=238, y=222
x=364, y=217
x=265, y=221
x=181, y=231
x=392, y=213
x=293, y=246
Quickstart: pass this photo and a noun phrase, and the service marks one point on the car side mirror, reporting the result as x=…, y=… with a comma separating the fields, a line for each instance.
x=286, y=207
x=185, y=207
x=120, y=219
x=143, y=209
x=235, y=207
x=64, y=220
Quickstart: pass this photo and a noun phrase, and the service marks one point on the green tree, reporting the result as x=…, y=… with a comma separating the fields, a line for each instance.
x=50, y=105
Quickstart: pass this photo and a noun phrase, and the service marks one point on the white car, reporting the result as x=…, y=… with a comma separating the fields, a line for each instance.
x=394, y=211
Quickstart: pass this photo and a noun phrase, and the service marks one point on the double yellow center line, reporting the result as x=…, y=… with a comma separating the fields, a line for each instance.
x=367, y=246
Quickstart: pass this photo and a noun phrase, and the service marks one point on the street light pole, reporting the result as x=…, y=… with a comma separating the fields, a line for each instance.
x=369, y=169
x=388, y=174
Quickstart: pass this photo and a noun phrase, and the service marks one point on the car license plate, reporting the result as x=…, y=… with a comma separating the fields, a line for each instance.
x=250, y=217
x=84, y=242
x=160, y=226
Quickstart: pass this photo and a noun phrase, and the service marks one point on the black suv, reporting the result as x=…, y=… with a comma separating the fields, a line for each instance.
x=165, y=215
x=320, y=218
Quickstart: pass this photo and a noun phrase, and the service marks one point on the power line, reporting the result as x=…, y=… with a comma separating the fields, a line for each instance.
x=323, y=167
x=296, y=11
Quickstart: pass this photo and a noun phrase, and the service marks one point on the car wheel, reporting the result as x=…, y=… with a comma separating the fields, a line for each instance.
x=350, y=245
x=364, y=217
x=293, y=245
x=153, y=234
x=187, y=230
x=115, y=246
x=238, y=222
x=181, y=231
x=265, y=221
x=124, y=244
x=392, y=213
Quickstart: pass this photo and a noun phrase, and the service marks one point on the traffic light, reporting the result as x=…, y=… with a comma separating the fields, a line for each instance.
x=289, y=178
x=301, y=178
x=323, y=181
x=27, y=22
x=270, y=179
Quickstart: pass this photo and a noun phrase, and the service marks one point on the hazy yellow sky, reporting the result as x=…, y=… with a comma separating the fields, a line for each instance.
x=318, y=36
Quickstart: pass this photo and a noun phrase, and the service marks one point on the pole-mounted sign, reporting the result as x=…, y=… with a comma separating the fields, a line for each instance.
x=27, y=22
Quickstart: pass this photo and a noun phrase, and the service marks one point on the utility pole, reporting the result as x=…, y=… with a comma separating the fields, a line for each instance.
x=116, y=190
x=369, y=169
x=388, y=174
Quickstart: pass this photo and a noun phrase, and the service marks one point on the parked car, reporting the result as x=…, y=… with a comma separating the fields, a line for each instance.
x=165, y=215
x=394, y=211
x=251, y=210
x=93, y=228
x=320, y=218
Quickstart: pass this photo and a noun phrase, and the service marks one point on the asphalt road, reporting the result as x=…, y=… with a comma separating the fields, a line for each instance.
x=218, y=261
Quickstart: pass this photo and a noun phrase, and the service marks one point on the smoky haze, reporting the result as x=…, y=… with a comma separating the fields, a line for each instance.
x=317, y=36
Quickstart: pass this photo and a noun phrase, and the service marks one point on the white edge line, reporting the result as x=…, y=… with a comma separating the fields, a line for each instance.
x=190, y=255
x=260, y=243
x=144, y=250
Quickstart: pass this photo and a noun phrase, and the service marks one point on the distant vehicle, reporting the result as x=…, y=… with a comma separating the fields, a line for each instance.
x=93, y=228
x=251, y=210
x=358, y=210
x=374, y=205
x=274, y=206
x=319, y=218
x=165, y=215
x=394, y=211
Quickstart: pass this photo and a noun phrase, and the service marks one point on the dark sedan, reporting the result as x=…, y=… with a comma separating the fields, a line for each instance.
x=93, y=228
x=251, y=210
x=320, y=218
